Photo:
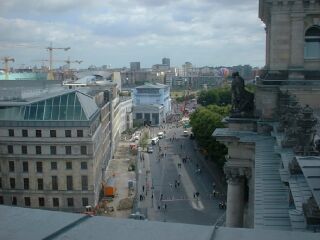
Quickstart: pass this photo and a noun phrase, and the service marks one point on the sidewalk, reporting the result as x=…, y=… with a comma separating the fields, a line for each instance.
x=213, y=170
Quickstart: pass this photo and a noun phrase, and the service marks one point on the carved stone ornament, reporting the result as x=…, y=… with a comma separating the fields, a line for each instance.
x=236, y=174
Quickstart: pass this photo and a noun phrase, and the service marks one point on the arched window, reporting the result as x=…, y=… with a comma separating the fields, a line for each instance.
x=312, y=43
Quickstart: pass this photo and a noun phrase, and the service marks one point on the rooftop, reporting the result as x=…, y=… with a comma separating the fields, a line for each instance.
x=24, y=223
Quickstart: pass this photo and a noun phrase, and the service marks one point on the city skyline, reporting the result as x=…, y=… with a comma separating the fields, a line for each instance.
x=212, y=33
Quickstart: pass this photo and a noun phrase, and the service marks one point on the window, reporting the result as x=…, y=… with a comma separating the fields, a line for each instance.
x=40, y=183
x=25, y=166
x=39, y=167
x=38, y=133
x=67, y=133
x=27, y=201
x=55, y=202
x=312, y=43
x=1, y=200
x=54, y=182
x=38, y=149
x=84, y=165
x=70, y=202
x=53, y=150
x=24, y=133
x=69, y=165
x=68, y=150
x=79, y=133
x=24, y=149
x=10, y=149
x=0, y=182
x=53, y=133
x=84, y=182
x=26, y=183
x=41, y=201
x=69, y=183
x=54, y=166
x=85, y=202
x=83, y=150
x=11, y=132
x=11, y=166
x=14, y=201
x=12, y=183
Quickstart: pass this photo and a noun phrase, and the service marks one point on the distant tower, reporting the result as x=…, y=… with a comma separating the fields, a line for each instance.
x=166, y=61
x=135, y=66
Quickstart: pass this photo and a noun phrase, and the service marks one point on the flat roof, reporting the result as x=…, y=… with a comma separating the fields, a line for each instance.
x=26, y=223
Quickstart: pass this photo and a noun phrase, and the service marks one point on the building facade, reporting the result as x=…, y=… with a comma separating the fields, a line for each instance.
x=126, y=121
x=149, y=94
x=53, y=150
x=272, y=161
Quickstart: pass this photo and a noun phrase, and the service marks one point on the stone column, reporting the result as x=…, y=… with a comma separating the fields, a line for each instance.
x=235, y=197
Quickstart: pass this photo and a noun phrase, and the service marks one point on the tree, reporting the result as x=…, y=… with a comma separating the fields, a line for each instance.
x=218, y=96
x=144, y=140
x=204, y=121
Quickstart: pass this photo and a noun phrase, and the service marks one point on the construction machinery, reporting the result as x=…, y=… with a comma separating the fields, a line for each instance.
x=50, y=49
x=6, y=61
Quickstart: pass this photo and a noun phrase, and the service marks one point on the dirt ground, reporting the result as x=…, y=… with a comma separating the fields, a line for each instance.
x=118, y=169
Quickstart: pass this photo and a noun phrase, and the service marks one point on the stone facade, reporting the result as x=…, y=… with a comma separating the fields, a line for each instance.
x=54, y=164
x=286, y=25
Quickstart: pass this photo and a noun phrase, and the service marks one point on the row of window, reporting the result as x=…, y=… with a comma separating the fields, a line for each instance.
x=39, y=166
x=53, y=150
x=53, y=133
x=54, y=183
x=41, y=201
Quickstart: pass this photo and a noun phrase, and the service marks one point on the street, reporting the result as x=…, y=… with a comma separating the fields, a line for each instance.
x=177, y=190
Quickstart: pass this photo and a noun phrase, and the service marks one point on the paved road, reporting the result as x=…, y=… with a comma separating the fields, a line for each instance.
x=181, y=206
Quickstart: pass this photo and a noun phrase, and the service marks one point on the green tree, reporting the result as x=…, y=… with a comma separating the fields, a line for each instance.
x=218, y=96
x=144, y=140
x=204, y=121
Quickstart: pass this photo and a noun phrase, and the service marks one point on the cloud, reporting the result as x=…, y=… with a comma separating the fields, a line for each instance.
x=130, y=27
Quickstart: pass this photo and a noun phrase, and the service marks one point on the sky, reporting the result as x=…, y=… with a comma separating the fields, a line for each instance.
x=117, y=32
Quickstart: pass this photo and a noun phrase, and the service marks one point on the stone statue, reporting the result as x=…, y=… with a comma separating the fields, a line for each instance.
x=242, y=100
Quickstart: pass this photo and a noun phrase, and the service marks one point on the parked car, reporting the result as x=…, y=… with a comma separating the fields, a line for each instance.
x=185, y=133
x=137, y=216
x=149, y=149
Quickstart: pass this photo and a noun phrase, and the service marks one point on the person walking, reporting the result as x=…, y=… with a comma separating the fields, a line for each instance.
x=142, y=188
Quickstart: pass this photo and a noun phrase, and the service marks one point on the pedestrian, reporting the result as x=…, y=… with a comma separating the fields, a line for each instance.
x=161, y=196
x=142, y=188
x=165, y=206
x=170, y=184
x=194, y=195
x=141, y=197
x=152, y=196
x=178, y=183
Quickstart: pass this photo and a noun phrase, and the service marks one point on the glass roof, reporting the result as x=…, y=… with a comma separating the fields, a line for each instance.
x=63, y=107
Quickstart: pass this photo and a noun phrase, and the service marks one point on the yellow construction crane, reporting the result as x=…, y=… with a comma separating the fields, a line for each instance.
x=6, y=61
x=50, y=49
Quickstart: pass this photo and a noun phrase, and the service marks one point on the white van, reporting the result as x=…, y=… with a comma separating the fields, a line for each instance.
x=154, y=141
x=160, y=135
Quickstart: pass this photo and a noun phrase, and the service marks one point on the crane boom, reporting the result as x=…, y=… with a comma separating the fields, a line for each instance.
x=50, y=49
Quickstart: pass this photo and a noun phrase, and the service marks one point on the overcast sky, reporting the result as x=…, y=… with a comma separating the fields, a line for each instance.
x=116, y=32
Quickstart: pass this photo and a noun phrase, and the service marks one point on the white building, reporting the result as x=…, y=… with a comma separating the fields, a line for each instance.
x=152, y=95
